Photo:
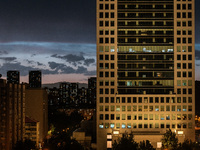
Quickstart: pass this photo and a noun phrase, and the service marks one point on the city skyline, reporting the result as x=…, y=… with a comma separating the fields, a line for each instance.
x=56, y=37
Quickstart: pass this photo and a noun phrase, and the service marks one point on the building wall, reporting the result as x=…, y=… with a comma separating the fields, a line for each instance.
x=12, y=114
x=37, y=108
x=166, y=100
x=32, y=132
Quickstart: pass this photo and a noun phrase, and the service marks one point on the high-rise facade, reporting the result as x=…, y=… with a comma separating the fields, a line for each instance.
x=12, y=114
x=145, y=69
x=35, y=79
x=13, y=77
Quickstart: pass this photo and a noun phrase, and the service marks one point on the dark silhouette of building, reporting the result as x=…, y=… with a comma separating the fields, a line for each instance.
x=35, y=79
x=92, y=91
x=64, y=95
x=12, y=114
x=13, y=77
x=197, y=98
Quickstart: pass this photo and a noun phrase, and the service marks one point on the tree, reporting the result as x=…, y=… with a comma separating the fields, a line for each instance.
x=170, y=141
x=62, y=141
x=146, y=145
x=24, y=145
x=126, y=142
x=188, y=145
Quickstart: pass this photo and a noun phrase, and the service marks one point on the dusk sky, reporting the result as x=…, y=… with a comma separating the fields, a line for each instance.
x=55, y=36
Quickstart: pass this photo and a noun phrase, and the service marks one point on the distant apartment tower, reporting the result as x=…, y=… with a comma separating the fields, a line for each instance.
x=64, y=94
x=92, y=90
x=13, y=77
x=32, y=130
x=12, y=114
x=37, y=109
x=35, y=79
x=145, y=69
x=197, y=98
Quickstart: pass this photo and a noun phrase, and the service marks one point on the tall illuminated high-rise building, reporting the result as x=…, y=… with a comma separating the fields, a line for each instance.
x=145, y=69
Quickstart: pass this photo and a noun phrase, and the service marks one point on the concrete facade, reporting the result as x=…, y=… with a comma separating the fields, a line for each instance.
x=145, y=69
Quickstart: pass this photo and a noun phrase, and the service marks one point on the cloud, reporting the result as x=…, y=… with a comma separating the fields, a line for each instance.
x=3, y=52
x=54, y=65
x=40, y=64
x=29, y=61
x=197, y=54
x=8, y=58
x=90, y=73
x=198, y=65
x=64, y=69
x=71, y=58
x=87, y=62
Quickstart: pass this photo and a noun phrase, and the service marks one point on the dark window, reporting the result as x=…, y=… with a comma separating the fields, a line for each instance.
x=100, y=15
x=189, y=15
x=112, y=15
x=100, y=40
x=100, y=6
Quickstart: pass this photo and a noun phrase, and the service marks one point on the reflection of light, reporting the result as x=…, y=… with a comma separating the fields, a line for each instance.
x=109, y=144
x=109, y=136
x=180, y=132
x=159, y=144
x=115, y=132
x=112, y=125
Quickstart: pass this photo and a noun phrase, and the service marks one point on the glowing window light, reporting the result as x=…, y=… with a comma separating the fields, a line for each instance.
x=115, y=132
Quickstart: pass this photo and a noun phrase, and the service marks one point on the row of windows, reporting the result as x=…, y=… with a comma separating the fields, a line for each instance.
x=184, y=91
x=183, y=6
x=146, y=40
x=106, y=91
x=106, y=6
x=145, y=125
x=106, y=23
x=184, y=40
x=107, y=15
x=106, y=57
x=146, y=108
x=184, y=66
x=106, y=48
x=106, y=66
x=184, y=49
x=184, y=32
x=107, y=83
x=145, y=117
x=184, y=15
x=184, y=57
x=145, y=99
x=106, y=40
x=146, y=23
x=106, y=0
x=184, y=83
x=146, y=6
x=184, y=0
x=106, y=32
x=184, y=23
x=184, y=74
x=106, y=74
x=145, y=15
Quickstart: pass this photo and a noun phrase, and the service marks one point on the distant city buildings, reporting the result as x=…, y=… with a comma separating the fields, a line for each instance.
x=92, y=90
x=20, y=100
x=12, y=114
x=35, y=79
x=69, y=95
x=37, y=109
x=32, y=130
x=13, y=77
x=197, y=97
